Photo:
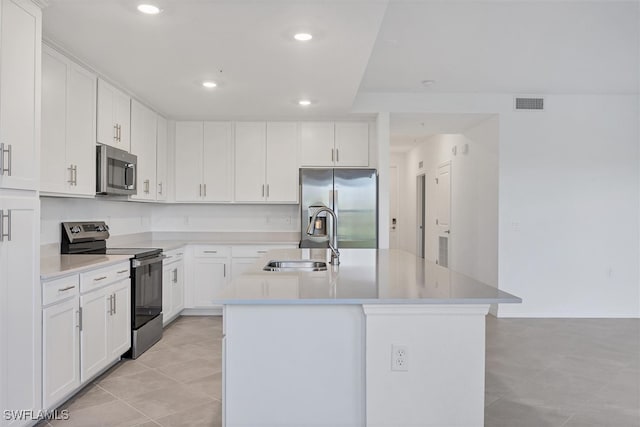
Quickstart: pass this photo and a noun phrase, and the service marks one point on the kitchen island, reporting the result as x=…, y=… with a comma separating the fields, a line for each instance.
x=383, y=339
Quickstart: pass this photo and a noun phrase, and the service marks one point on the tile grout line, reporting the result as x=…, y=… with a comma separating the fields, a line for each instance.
x=126, y=403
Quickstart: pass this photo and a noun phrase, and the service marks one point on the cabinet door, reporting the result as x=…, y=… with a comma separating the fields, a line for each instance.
x=209, y=276
x=167, y=284
x=316, y=144
x=122, y=114
x=55, y=173
x=81, y=130
x=177, y=288
x=120, y=320
x=218, y=163
x=352, y=144
x=143, y=144
x=107, y=130
x=250, y=153
x=161, y=159
x=282, y=162
x=20, y=89
x=240, y=265
x=94, y=351
x=20, y=313
x=188, y=157
x=60, y=351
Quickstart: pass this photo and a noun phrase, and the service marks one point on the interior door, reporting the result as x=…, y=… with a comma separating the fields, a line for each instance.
x=443, y=208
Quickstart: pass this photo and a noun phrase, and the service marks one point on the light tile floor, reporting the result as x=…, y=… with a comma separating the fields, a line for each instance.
x=540, y=372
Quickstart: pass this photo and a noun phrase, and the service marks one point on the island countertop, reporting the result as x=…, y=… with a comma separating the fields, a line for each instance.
x=364, y=276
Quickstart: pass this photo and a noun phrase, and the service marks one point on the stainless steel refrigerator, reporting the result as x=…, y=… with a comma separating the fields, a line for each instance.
x=352, y=194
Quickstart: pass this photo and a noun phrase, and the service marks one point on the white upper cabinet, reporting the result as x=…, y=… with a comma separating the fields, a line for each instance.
x=20, y=59
x=203, y=162
x=250, y=165
x=282, y=162
x=340, y=144
x=114, y=116
x=161, y=160
x=68, y=165
x=316, y=144
x=266, y=162
x=144, y=128
x=352, y=144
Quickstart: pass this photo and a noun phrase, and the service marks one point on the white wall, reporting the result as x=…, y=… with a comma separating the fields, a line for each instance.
x=131, y=217
x=473, y=241
x=568, y=198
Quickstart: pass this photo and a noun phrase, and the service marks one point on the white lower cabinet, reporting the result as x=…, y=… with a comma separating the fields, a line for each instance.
x=172, y=286
x=210, y=272
x=83, y=332
x=60, y=351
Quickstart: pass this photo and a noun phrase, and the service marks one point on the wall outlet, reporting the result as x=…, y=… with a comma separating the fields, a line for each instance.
x=399, y=358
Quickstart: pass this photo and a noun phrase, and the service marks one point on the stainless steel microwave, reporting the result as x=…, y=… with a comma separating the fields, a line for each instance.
x=116, y=171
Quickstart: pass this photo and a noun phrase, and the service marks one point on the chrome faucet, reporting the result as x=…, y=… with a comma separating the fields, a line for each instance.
x=333, y=240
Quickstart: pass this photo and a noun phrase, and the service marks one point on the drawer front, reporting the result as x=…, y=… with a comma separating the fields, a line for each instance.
x=60, y=289
x=173, y=256
x=211, y=251
x=103, y=276
x=251, y=251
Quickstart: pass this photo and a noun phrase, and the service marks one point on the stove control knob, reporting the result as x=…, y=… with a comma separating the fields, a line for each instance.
x=75, y=229
x=100, y=228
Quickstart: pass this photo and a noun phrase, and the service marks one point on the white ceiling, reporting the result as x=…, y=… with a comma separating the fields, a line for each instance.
x=359, y=45
x=408, y=130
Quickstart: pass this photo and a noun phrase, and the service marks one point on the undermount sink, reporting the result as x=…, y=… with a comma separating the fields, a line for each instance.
x=296, y=265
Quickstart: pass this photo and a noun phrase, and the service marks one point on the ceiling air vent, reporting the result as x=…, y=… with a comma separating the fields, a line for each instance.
x=529, y=104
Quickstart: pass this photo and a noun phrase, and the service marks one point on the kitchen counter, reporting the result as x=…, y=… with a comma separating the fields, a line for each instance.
x=383, y=339
x=364, y=276
x=61, y=265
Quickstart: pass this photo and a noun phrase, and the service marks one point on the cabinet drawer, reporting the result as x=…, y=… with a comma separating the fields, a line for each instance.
x=173, y=256
x=59, y=289
x=103, y=276
x=211, y=251
x=250, y=251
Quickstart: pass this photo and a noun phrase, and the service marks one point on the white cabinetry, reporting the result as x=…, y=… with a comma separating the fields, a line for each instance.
x=20, y=321
x=161, y=160
x=203, y=162
x=113, y=116
x=68, y=154
x=20, y=56
x=266, y=162
x=210, y=272
x=144, y=129
x=172, y=285
x=244, y=256
x=86, y=327
x=339, y=144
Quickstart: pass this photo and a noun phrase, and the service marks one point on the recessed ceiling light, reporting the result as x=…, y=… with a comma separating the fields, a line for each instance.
x=209, y=85
x=304, y=102
x=149, y=9
x=427, y=83
x=303, y=37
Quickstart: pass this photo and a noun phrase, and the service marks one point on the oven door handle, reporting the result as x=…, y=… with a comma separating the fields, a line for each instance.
x=139, y=263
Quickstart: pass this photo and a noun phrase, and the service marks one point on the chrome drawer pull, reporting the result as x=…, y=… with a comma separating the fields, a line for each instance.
x=99, y=278
x=67, y=288
x=123, y=271
x=210, y=252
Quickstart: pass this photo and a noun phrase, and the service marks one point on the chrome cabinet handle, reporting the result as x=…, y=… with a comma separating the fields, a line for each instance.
x=115, y=304
x=337, y=155
x=70, y=169
x=80, y=318
x=262, y=190
x=160, y=190
x=119, y=133
x=332, y=155
x=146, y=186
x=99, y=278
x=6, y=169
x=267, y=190
x=200, y=190
x=206, y=252
x=175, y=275
x=67, y=288
x=110, y=305
x=224, y=271
x=122, y=271
x=115, y=132
x=4, y=234
x=75, y=175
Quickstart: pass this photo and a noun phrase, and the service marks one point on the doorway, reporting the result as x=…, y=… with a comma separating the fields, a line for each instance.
x=420, y=214
x=394, y=199
x=443, y=209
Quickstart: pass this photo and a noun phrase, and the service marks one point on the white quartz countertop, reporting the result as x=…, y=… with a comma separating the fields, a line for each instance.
x=364, y=276
x=62, y=265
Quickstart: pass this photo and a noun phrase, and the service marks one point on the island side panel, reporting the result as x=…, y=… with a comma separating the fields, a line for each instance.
x=294, y=365
x=445, y=354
